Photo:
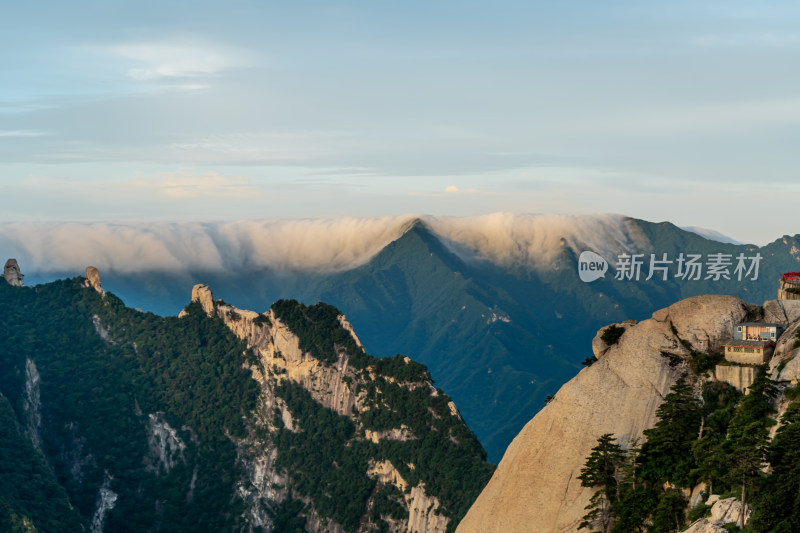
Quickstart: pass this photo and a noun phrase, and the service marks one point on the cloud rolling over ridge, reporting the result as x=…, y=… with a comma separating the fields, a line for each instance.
x=307, y=245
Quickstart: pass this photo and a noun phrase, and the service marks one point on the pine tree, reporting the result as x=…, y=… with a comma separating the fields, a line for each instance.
x=779, y=508
x=599, y=514
x=600, y=471
x=709, y=457
x=667, y=453
x=748, y=436
x=602, y=464
x=669, y=514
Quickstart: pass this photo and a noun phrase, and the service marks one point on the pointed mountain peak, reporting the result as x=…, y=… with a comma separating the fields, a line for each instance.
x=413, y=224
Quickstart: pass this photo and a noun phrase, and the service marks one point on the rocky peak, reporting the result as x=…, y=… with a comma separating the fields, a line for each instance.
x=93, y=280
x=12, y=274
x=618, y=394
x=202, y=294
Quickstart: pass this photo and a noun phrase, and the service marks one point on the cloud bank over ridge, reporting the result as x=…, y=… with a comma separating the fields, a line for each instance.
x=321, y=245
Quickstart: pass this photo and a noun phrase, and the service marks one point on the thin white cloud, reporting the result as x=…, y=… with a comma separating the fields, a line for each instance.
x=23, y=133
x=153, y=61
x=262, y=147
x=192, y=185
x=455, y=189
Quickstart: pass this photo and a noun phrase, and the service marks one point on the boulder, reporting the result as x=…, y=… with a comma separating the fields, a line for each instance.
x=536, y=485
x=12, y=273
x=727, y=511
x=782, y=312
x=705, y=321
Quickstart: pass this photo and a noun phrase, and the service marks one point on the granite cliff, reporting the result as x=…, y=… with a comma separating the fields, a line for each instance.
x=536, y=485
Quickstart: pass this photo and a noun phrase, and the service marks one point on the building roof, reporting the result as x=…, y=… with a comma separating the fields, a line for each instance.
x=761, y=324
x=754, y=344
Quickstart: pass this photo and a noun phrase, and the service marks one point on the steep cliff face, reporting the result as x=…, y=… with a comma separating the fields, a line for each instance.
x=354, y=391
x=536, y=485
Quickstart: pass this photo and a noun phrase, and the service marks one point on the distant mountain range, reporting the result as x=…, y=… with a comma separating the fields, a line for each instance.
x=494, y=306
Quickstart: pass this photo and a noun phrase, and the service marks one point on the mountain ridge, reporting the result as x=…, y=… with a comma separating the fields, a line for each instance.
x=413, y=291
x=226, y=419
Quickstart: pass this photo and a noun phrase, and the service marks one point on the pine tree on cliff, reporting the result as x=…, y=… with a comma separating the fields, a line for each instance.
x=780, y=506
x=748, y=436
x=600, y=471
x=667, y=453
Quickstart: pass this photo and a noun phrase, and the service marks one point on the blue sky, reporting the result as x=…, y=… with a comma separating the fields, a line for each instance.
x=147, y=111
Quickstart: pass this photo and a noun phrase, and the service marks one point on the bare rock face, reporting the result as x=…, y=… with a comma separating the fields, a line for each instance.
x=202, y=294
x=536, y=485
x=93, y=278
x=12, y=273
x=790, y=373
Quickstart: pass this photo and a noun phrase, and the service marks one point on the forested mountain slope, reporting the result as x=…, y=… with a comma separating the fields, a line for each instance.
x=119, y=420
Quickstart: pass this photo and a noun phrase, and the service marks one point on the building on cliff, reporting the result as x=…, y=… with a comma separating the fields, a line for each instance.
x=746, y=352
x=757, y=331
x=753, y=343
x=789, y=286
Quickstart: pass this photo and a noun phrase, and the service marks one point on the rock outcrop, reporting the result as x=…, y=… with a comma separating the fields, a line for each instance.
x=599, y=346
x=536, y=485
x=727, y=511
x=12, y=273
x=93, y=279
x=202, y=294
x=782, y=311
x=790, y=373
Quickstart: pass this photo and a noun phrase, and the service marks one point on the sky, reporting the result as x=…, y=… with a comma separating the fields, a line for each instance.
x=209, y=111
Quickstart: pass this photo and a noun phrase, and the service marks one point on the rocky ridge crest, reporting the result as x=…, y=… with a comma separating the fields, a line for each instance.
x=280, y=358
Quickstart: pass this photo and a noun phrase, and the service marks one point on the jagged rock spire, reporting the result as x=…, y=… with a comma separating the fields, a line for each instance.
x=93, y=279
x=202, y=294
x=12, y=273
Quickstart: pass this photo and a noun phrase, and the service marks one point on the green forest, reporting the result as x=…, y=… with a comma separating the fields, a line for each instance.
x=719, y=437
x=95, y=396
x=106, y=372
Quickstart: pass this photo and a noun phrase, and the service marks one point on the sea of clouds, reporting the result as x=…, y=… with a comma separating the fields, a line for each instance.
x=321, y=245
